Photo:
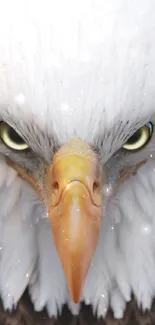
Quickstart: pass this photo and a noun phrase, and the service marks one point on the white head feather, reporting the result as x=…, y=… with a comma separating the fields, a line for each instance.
x=77, y=68
x=77, y=62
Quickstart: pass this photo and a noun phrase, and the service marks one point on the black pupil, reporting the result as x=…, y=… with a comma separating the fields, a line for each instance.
x=13, y=135
x=135, y=137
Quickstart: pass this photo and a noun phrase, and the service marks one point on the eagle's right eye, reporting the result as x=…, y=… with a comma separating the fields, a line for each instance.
x=140, y=138
x=11, y=138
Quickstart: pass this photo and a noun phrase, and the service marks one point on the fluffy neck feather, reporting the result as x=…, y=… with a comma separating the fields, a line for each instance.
x=124, y=259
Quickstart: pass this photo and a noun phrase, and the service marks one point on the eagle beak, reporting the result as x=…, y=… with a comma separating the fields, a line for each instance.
x=73, y=190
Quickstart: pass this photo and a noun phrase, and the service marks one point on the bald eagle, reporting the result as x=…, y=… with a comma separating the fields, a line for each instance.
x=77, y=160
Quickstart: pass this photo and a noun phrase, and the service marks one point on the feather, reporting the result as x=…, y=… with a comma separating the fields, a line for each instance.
x=50, y=287
x=18, y=252
x=86, y=70
x=94, y=60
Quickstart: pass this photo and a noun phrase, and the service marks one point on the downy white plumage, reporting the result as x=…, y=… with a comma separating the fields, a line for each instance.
x=78, y=69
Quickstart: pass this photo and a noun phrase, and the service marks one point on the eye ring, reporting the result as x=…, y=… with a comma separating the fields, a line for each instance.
x=140, y=138
x=11, y=138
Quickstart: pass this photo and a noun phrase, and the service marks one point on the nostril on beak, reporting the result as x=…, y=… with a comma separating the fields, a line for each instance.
x=55, y=193
x=96, y=187
x=55, y=187
x=96, y=191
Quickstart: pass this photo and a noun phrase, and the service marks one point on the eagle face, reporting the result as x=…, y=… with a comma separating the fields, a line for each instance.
x=77, y=154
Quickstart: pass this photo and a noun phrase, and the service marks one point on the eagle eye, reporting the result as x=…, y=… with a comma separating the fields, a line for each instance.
x=11, y=138
x=139, y=139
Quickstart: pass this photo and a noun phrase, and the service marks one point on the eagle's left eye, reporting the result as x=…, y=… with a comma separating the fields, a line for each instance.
x=11, y=138
x=138, y=140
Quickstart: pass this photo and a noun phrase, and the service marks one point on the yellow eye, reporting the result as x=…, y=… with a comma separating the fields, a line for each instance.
x=139, y=138
x=11, y=138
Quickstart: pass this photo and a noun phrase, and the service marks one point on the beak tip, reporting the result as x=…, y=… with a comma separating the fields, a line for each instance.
x=76, y=300
x=75, y=293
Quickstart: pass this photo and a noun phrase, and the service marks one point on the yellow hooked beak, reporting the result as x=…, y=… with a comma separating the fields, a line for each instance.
x=72, y=190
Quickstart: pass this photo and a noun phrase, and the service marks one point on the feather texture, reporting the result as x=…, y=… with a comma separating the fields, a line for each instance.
x=91, y=59
x=86, y=70
x=123, y=262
